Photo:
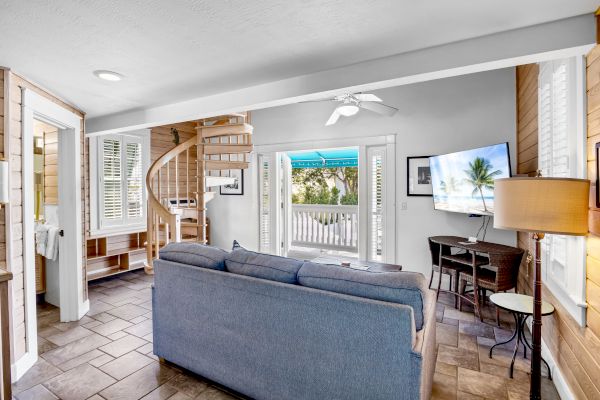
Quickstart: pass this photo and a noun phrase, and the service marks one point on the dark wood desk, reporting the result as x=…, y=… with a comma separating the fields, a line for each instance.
x=477, y=254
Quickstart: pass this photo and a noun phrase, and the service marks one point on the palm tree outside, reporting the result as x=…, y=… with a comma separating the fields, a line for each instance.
x=480, y=176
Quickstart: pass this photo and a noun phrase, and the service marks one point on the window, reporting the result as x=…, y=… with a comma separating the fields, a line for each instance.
x=264, y=166
x=119, y=197
x=561, y=154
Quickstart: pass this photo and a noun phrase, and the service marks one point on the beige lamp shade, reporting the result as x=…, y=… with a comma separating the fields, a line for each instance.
x=545, y=205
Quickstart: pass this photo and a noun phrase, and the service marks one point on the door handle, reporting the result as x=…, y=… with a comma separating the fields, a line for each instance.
x=61, y=233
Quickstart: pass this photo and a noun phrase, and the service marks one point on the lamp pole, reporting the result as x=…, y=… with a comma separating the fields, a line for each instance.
x=536, y=352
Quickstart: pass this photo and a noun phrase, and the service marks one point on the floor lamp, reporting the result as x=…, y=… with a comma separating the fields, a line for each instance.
x=539, y=206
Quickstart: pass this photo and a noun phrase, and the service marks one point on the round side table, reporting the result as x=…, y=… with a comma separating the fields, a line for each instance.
x=521, y=307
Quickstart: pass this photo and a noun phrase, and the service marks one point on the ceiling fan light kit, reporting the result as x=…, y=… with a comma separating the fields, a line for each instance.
x=352, y=103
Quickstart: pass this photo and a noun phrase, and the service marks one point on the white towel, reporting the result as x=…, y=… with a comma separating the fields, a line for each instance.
x=41, y=238
x=52, y=243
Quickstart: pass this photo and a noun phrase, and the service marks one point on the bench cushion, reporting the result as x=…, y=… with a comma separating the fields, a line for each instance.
x=195, y=254
x=265, y=266
x=396, y=287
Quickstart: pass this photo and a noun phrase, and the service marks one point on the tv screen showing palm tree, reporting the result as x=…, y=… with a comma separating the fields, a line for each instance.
x=464, y=181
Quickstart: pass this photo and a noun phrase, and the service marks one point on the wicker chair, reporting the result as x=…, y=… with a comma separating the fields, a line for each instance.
x=500, y=276
x=448, y=267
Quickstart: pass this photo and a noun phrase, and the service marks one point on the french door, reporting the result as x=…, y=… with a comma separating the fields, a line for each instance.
x=376, y=221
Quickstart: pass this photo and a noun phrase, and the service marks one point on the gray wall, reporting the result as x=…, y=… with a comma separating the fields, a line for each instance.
x=435, y=117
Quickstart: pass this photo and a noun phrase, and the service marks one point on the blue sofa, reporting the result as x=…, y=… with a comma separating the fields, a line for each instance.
x=274, y=328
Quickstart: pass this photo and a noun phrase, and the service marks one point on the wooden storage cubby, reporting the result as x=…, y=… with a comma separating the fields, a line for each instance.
x=114, y=254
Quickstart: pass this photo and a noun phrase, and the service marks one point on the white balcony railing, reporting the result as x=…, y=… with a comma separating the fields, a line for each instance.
x=322, y=226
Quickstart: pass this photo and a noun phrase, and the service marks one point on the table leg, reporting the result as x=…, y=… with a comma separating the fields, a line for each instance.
x=437, y=296
x=476, y=289
x=520, y=335
x=514, y=335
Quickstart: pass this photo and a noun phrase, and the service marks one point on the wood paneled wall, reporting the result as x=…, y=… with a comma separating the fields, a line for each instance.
x=575, y=349
x=593, y=137
x=12, y=108
x=50, y=167
x=161, y=141
x=527, y=142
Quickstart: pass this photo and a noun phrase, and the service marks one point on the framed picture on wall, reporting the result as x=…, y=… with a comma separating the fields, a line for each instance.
x=418, y=176
x=236, y=188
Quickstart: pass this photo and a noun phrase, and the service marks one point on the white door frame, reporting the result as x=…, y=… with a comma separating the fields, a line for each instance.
x=72, y=304
x=389, y=141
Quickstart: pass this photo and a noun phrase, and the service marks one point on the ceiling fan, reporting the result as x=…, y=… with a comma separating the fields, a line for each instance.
x=351, y=103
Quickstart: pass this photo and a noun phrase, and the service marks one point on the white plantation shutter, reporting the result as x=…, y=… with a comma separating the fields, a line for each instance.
x=376, y=212
x=134, y=180
x=121, y=194
x=264, y=166
x=112, y=198
x=558, y=157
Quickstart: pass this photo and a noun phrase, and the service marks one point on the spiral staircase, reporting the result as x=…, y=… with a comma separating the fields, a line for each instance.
x=183, y=180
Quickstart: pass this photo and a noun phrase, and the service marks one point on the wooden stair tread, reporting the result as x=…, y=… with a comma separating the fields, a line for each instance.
x=221, y=165
x=226, y=148
x=224, y=130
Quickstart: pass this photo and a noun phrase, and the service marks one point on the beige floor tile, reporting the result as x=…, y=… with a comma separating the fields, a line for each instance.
x=40, y=372
x=74, y=362
x=139, y=383
x=444, y=387
x=111, y=327
x=446, y=334
x=161, y=393
x=128, y=311
x=74, y=349
x=79, y=383
x=188, y=385
x=480, y=384
x=476, y=329
x=459, y=357
x=459, y=315
x=123, y=346
x=36, y=393
x=101, y=360
x=125, y=365
x=446, y=369
x=68, y=336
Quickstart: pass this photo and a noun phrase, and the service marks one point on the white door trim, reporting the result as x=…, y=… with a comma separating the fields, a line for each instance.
x=72, y=304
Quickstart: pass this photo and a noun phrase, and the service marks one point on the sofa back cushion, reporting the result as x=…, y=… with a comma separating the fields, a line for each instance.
x=406, y=288
x=195, y=254
x=264, y=266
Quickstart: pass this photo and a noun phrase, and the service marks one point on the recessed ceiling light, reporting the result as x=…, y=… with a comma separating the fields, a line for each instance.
x=108, y=75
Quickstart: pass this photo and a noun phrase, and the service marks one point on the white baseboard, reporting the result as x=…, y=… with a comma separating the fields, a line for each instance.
x=561, y=385
x=563, y=389
x=19, y=368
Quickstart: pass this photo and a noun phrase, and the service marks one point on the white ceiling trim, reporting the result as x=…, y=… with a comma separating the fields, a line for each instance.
x=571, y=36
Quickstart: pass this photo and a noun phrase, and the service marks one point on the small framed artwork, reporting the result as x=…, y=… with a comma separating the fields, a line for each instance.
x=236, y=188
x=418, y=176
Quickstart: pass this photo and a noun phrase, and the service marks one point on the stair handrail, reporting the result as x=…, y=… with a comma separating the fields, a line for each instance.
x=154, y=205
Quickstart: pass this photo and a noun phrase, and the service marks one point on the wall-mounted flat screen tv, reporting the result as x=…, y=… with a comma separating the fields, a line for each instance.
x=463, y=182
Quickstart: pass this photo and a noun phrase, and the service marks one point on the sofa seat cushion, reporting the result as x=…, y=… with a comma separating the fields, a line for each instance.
x=400, y=287
x=265, y=266
x=195, y=254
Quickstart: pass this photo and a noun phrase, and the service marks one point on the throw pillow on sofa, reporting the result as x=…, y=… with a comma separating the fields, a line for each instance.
x=195, y=254
x=265, y=266
x=396, y=287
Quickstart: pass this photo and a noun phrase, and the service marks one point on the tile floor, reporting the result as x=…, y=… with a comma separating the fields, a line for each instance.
x=108, y=354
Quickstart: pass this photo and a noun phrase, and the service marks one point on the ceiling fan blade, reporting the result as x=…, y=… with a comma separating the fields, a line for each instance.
x=366, y=97
x=335, y=115
x=378, y=108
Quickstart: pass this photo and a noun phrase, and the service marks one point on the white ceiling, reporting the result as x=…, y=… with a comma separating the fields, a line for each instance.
x=171, y=51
